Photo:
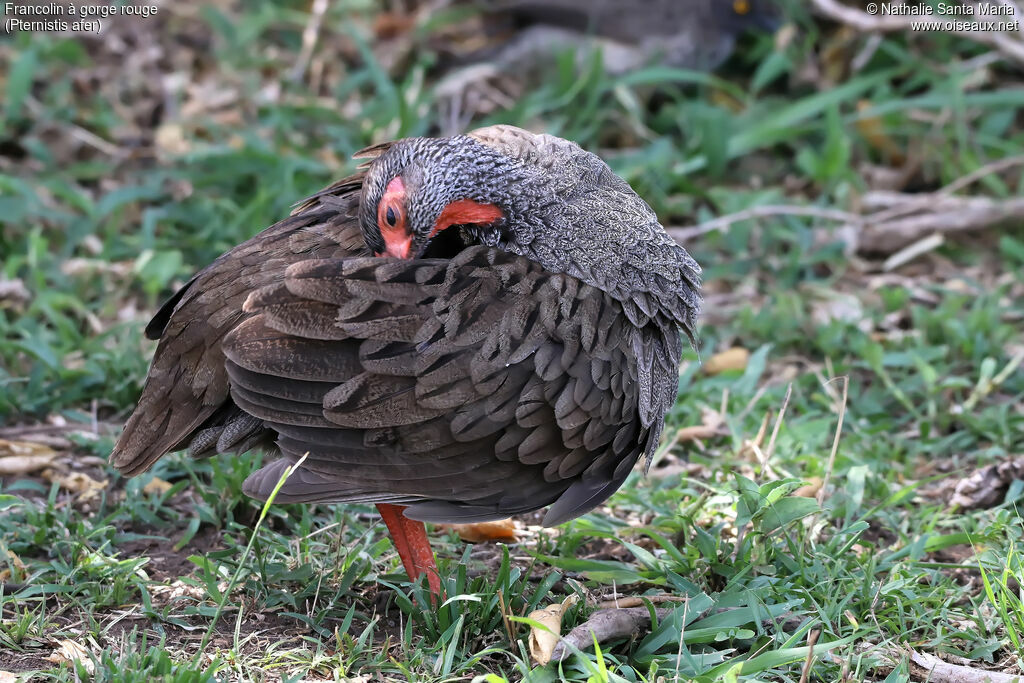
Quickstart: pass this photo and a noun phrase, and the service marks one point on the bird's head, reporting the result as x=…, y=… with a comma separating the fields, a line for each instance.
x=419, y=189
x=531, y=195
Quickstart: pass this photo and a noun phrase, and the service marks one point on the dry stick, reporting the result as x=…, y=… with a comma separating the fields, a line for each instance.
x=1007, y=44
x=912, y=251
x=310, y=34
x=978, y=212
x=638, y=601
x=752, y=402
x=605, y=625
x=982, y=171
x=812, y=638
x=766, y=466
x=684, y=233
x=765, y=460
x=943, y=214
x=79, y=133
x=944, y=672
x=504, y=617
x=909, y=203
x=835, y=440
x=682, y=634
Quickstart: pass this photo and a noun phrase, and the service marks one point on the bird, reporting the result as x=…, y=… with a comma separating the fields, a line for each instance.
x=489, y=60
x=691, y=34
x=468, y=328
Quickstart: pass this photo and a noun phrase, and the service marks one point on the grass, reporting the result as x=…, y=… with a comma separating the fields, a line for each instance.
x=113, y=191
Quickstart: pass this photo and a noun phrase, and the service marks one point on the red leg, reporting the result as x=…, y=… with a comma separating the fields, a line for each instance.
x=410, y=538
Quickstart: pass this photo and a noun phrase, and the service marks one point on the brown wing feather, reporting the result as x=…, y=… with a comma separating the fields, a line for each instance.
x=186, y=391
x=469, y=389
x=505, y=396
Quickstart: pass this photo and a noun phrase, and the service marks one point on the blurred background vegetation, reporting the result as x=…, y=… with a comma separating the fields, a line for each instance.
x=871, y=184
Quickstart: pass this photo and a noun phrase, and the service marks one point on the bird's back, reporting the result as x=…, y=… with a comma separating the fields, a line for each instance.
x=187, y=395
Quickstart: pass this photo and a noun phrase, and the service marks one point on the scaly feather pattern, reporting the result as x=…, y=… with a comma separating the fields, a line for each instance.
x=504, y=367
x=490, y=359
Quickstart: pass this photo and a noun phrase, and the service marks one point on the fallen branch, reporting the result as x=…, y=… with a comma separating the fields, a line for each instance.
x=939, y=671
x=892, y=221
x=933, y=213
x=637, y=601
x=605, y=625
x=899, y=219
x=681, y=234
x=1009, y=45
x=928, y=667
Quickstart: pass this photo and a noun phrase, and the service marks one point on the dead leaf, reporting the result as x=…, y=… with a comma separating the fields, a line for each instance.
x=8, y=677
x=16, y=562
x=503, y=530
x=872, y=128
x=170, y=140
x=712, y=425
x=735, y=358
x=828, y=306
x=987, y=486
x=836, y=55
x=542, y=641
x=13, y=292
x=696, y=432
x=22, y=457
x=71, y=652
x=165, y=594
x=388, y=25
x=76, y=482
x=157, y=486
x=810, y=489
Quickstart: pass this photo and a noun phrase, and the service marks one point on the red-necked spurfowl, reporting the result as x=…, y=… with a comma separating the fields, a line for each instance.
x=468, y=328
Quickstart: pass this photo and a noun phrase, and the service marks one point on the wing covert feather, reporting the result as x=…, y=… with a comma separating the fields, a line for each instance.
x=488, y=371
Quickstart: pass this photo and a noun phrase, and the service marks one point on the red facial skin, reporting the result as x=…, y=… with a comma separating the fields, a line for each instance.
x=396, y=233
x=465, y=211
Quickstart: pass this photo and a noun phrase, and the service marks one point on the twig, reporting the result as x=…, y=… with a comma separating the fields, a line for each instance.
x=638, y=601
x=835, y=440
x=309, y=37
x=605, y=625
x=682, y=634
x=685, y=233
x=764, y=458
x=944, y=214
x=504, y=617
x=775, y=429
x=900, y=204
x=79, y=133
x=912, y=251
x=895, y=219
x=1011, y=47
x=812, y=638
x=982, y=171
x=944, y=672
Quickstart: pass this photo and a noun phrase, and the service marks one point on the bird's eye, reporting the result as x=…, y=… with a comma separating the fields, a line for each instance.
x=390, y=217
x=741, y=6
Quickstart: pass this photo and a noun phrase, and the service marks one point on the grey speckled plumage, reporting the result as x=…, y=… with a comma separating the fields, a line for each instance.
x=529, y=362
